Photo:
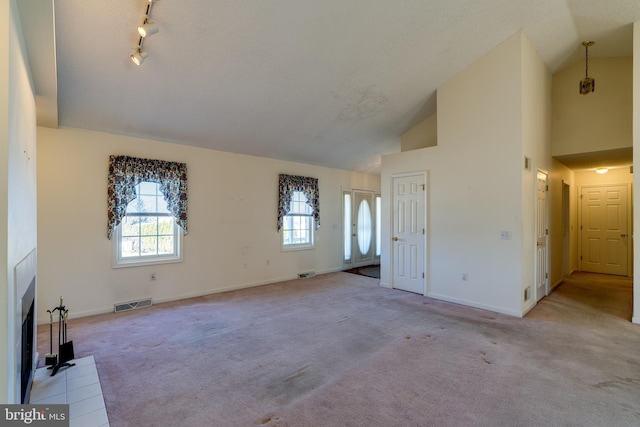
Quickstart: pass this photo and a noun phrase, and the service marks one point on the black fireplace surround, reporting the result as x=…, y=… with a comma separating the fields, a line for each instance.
x=26, y=367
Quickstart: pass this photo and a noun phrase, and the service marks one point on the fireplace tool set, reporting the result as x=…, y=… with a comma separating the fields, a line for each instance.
x=59, y=360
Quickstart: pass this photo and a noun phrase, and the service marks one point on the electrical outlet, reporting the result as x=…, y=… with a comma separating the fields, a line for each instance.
x=152, y=276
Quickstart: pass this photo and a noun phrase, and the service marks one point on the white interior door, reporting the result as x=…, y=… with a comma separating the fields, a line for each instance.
x=409, y=233
x=542, y=235
x=604, y=229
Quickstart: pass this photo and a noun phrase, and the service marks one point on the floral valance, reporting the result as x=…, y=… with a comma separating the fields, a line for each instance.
x=126, y=172
x=291, y=183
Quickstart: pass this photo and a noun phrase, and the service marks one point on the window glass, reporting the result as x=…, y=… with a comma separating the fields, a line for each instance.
x=346, y=204
x=297, y=225
x=148, y=232
x=378, y=224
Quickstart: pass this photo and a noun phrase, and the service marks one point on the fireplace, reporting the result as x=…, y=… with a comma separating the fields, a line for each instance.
x=27, y=340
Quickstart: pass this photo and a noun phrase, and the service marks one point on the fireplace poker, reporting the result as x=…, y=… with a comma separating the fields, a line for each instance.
x=51, y=358
x=65, y=349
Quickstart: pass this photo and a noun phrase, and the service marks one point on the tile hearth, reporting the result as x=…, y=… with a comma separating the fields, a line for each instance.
x=78, y=386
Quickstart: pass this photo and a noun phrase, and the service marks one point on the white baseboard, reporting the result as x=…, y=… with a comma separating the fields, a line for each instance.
x=473, y=304
x=192, y=295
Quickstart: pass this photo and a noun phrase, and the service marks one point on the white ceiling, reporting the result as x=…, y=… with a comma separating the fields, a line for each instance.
x=332, y=83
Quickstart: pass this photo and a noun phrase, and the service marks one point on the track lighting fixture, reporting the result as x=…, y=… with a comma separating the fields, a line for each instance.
x=588, y=84
x=146, y=29
x=138, y=56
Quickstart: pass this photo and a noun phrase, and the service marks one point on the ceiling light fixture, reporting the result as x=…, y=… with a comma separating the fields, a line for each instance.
x=138, y=57
x=588, y=84
x=602, y=170
x=146, y=29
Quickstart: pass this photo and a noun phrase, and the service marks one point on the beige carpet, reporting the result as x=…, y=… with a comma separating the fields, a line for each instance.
x=338, y=350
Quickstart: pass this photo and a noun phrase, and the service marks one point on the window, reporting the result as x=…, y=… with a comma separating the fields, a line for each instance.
x=298, y=224
x=346, y=227
x=378, y=224
x=148, y=232
x=298, y=211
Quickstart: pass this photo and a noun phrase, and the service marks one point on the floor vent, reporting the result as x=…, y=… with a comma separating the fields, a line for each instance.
x=125, y=306
x=307, y=274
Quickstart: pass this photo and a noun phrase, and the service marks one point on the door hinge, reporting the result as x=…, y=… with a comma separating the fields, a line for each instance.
x=546, y=275
x=423, y=231
x=546, y=187
x=423, y=275
x=580, y=257
x=546, y=232
x=423, y=186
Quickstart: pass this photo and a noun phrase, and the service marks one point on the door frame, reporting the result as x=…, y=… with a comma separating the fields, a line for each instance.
x=629, y=222
x=566, y=229
x=375, y=259
x=425, y=239
x=547, y=260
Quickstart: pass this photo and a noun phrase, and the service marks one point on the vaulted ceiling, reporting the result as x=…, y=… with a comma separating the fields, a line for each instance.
x=332, y=83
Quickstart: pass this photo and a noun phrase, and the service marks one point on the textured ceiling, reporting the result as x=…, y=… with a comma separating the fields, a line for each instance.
x=332, y=83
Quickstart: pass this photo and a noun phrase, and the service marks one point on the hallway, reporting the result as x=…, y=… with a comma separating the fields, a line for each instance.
x=589, y=297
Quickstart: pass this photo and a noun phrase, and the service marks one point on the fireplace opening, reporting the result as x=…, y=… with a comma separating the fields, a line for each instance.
x=27, y=352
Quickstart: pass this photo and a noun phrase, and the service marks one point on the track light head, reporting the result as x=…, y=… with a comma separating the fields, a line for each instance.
x=148, y=29
x=138, y=57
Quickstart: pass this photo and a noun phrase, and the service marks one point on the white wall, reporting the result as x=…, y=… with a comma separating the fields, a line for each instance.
x=475, y=180
x=5, y=368
x=422, y=135
x=17, y=189
x=561, y=174
x=232, y=218
x=599, y=121
x=536, y=145
x=636, y=163
x=621, y=175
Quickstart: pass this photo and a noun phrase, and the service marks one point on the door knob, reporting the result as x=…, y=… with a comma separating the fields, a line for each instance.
x=395, y=239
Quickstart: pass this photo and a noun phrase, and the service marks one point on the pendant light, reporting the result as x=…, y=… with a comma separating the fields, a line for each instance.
x=588, y=84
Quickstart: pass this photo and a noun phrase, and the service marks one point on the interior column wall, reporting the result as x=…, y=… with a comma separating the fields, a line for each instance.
x=17, y=188
x=5, y=13
x=474, y=186
x=636, y=164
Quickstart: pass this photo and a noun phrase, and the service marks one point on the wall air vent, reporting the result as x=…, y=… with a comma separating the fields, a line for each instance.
x=307, y=274
x=131, y=305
